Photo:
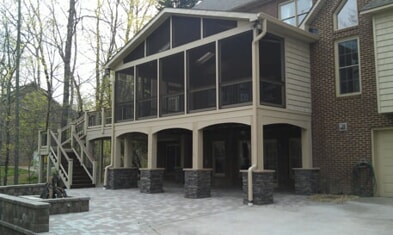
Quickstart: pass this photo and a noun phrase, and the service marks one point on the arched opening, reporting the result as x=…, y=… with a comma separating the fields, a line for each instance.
x=227, y=150
x=174, y=153
x=282, y=153
x=101, y=150
x=134, y=150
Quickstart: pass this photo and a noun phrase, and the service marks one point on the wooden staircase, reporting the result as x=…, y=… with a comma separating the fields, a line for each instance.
x=80, y=179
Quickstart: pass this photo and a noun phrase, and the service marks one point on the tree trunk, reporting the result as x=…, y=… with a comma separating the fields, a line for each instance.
x=67, y=63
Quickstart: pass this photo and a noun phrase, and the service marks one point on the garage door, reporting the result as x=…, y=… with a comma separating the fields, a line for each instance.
x=383, y=147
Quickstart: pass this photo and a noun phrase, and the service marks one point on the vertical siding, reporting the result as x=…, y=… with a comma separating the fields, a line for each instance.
x=298, y=78
x=383, y=39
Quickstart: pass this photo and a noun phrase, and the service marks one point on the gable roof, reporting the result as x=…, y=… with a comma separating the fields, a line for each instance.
x=272, y=23
x=376, y=5
x=223, y=5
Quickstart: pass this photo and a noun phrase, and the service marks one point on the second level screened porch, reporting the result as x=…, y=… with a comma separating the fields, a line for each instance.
x=188, y=61
x=215, y=75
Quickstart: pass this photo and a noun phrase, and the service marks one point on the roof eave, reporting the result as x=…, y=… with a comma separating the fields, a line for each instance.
x=377, y=9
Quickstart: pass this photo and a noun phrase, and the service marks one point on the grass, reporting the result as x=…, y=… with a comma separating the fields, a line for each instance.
x=23, y=176
x=333, y=198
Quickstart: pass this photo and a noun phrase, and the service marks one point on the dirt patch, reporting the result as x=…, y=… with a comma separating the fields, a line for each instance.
x=333, y=198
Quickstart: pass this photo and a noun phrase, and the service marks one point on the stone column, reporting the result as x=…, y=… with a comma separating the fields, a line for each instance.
x=120, y=178
x=263, y=187
x=151, y=180
x=307, y=181
x=197, y=183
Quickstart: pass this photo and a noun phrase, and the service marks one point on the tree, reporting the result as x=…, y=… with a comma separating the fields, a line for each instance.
x=7, y=69
x=66, y=56
x=176, y=4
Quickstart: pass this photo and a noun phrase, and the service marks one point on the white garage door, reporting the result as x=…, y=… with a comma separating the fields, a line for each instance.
x=383, y=147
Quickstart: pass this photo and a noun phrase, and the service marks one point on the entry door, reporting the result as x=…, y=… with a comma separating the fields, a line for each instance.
x=383, y=161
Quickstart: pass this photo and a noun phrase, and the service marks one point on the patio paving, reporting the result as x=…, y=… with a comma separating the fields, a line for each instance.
x=128, y=211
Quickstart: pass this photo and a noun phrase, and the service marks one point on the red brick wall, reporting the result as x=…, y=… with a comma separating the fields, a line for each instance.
x=336, y=152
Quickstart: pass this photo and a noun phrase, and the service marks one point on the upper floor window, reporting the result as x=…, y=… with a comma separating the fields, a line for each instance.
x=347, y=60
x=347, y=15
x=293, y=12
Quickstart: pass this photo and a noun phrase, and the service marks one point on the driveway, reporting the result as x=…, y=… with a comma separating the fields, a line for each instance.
x=128, y=211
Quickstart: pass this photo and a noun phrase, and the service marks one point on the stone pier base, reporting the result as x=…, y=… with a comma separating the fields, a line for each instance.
x=151, y=180
x=120, y=178
x=307, y=181
x=197, y=183
x=262, y=187
x=179, y=175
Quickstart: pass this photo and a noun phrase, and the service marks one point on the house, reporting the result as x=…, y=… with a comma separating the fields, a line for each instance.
x=261, y=95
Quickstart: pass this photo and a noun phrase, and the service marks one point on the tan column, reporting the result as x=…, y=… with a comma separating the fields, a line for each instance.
x=117, y=154
x=257, y=157
x=152, y=151
x=197, y=149
x=306, y=148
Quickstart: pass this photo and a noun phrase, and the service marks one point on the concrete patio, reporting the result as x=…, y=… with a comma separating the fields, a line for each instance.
x=128, y=211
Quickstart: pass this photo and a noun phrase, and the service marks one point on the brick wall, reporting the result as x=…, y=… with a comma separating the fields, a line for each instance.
x=336, y=152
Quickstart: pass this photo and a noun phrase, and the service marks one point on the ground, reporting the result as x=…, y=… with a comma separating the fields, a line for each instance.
x=130, y=212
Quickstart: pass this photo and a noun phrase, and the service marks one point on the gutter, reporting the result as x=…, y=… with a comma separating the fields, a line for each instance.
x=255, y=60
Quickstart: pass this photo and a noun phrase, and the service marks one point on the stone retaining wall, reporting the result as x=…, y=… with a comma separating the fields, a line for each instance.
x=23, y=189
x=23, y=216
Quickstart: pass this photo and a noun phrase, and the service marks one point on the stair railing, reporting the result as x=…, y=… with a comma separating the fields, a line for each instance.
x=56, y=152
x=85, y=157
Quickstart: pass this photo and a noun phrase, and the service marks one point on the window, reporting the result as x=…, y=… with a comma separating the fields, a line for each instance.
x=137, y=53
x=294, y=12
x=236, y=70
x=146, y=89
x=185, y=30
x=271, y=66
x=347, y=15
x=214, y=26
x=159, y=40
x=124, y=95
x=172, y=84
x=202, y=77
x=347, y=59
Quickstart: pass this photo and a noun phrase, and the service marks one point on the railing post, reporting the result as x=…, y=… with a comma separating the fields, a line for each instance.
x=94, y=172
x=58, y=151
x=102, y=120
x=86, y=123
x=39, y=140
x=70, y=167
x=72, y=135
x=48, y=139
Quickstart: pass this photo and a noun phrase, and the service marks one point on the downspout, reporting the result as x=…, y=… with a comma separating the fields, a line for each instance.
x=113, y=132
x=255, y=72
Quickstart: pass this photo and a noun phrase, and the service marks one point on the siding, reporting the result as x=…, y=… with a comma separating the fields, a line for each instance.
x=298, y=78
x=383, y=39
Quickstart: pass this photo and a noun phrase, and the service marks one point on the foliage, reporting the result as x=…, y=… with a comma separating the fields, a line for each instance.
x=24, y=176
x=181, y=4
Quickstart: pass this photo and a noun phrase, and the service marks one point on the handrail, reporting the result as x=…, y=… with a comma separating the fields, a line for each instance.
x=66, y=175
x=81, y=157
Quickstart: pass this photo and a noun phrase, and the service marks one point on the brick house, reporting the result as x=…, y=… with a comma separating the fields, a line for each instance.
x=260, y=95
